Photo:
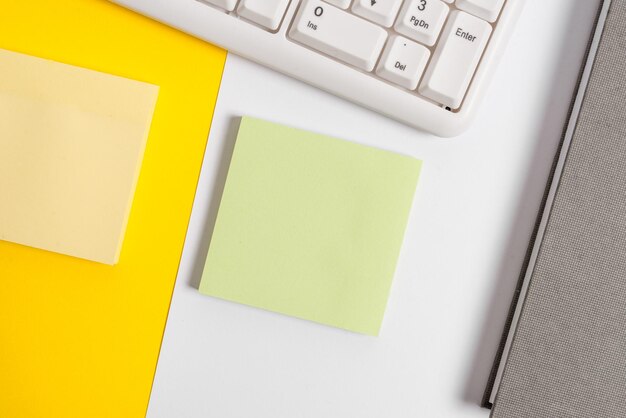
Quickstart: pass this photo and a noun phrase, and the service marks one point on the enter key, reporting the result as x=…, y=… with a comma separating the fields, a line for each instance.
x=455, y=60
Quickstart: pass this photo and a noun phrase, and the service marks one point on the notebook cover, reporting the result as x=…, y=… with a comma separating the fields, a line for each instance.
x=545, y=207
x=568, y=352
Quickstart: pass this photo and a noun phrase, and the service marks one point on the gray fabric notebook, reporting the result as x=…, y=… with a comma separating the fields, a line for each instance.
x=566, y=354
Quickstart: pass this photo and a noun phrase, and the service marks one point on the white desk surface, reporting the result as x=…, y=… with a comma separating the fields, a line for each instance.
x=471, y=221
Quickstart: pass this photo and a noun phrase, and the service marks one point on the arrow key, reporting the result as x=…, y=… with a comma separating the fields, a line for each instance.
x=382, y=12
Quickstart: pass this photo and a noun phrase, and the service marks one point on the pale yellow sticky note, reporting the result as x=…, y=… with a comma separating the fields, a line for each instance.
x=71, y=145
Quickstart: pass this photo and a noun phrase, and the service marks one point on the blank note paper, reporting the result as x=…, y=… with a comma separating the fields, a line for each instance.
x=71, y=144
x=310, y=226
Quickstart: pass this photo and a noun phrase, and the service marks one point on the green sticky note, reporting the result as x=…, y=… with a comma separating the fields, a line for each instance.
x=310, y=226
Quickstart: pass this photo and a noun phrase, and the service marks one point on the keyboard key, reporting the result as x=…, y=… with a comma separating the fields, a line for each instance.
x=228, y=5
x=383, y=12
x=343, y=4
x=267, y=13
x=403, y=62
x=422, y=20
x=339, y=34
x=485, y=9
x=455, y=59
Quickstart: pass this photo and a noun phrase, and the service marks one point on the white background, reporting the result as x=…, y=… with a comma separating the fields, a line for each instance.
x=467, y=235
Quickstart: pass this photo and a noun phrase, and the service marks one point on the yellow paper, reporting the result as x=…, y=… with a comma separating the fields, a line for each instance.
x=71, y=144
x=80, y=339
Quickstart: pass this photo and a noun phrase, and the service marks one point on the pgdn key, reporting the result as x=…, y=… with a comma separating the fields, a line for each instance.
x=338, y=33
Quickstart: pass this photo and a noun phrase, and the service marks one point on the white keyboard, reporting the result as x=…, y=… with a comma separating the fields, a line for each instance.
x=423, y=62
